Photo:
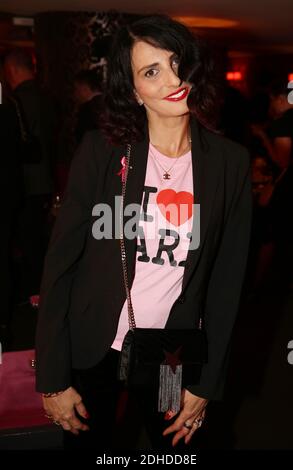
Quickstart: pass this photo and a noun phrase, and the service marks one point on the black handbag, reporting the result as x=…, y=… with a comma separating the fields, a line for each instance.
x=167, y=359
x=30, y=149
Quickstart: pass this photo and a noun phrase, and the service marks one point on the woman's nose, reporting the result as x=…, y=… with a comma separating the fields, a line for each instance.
x=173, y=79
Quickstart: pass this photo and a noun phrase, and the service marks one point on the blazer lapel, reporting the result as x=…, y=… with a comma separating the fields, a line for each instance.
x=205, y=176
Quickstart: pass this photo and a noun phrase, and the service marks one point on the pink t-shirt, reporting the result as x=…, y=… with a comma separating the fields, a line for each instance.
x=162, y=242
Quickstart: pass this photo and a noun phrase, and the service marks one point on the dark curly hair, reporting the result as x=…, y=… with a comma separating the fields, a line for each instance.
x=124, y=119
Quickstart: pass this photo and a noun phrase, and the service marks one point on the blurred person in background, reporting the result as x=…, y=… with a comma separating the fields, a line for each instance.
x=278, y=142
x=38, y=116
x=11, y=194
x=88, y=96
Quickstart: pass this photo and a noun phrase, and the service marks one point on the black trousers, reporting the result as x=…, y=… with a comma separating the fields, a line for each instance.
x=119, y=418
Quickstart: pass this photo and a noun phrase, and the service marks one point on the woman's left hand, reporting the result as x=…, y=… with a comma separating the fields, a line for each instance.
x=189, y=419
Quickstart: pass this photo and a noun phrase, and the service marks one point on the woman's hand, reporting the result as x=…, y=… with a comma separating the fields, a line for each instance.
x=62, y=408
x=189, y=419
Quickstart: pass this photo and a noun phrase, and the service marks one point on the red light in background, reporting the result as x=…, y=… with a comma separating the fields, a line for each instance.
x=234, y=76
x=290, y=77
x=237, y=76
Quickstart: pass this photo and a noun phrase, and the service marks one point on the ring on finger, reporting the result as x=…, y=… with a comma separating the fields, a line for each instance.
x=187, y=425
x=198, y=422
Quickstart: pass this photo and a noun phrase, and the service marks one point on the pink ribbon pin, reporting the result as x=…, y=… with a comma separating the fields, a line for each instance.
x=34, y=300
x=123, y=169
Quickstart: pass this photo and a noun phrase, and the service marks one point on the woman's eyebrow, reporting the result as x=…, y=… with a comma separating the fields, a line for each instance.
x=149, y=66
x=172, y=55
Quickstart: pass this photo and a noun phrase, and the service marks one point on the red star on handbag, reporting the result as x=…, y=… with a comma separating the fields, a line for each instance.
x=172, y=359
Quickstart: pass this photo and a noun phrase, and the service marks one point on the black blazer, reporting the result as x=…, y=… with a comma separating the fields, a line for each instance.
x=82, y=291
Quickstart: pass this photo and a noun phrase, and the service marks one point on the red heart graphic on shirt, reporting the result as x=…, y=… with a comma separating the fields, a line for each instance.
x=175, y=207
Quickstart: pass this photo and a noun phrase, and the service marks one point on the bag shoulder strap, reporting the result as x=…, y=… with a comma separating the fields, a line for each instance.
x=131, y=319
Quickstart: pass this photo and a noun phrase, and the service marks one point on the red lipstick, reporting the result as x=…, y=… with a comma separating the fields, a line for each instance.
x=178, y=95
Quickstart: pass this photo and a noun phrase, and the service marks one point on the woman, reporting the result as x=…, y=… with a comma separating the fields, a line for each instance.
x=160, y=99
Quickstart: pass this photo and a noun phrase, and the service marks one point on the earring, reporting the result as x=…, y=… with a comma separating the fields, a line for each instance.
x=138, y=99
